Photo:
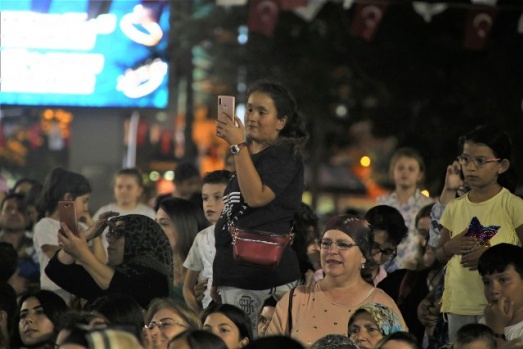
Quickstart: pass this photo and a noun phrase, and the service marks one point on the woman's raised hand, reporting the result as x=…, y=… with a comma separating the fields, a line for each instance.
x=73, y=245
x=99, y=225
x=232, y=132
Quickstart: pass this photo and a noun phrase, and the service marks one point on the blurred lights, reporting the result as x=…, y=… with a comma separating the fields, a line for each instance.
x=365, y=161
x=426, y=193
x=341, y=111
x=169, y=175
x=154, y=176
x=243, y=35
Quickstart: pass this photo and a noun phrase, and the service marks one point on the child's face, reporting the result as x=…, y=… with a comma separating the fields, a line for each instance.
x=507, y=284
x=212, y=196
x=406, y=172
x=486, y=174
x=126, y=190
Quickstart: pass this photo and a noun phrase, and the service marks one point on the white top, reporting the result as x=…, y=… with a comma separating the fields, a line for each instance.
x=201, y=257
x=140, y=209
x=46, y=233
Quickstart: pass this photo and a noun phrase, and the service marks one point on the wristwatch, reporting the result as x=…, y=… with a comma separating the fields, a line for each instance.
x=235, y=148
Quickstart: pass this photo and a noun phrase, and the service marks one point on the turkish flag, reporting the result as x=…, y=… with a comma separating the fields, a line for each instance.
x=366, y=20
x=263, y=15
x=292, y=4
x=478, y=26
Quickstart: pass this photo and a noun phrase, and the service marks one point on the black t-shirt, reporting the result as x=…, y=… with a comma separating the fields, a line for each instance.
x=282, y=171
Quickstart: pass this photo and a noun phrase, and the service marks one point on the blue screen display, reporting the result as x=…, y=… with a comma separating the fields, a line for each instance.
x=87, y=53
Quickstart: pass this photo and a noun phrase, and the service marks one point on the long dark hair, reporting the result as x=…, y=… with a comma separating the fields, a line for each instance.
x=236, y=315
x=294, y=132
x=54, y=308
x=200, y=339
x=58, y=183
x=501, y=145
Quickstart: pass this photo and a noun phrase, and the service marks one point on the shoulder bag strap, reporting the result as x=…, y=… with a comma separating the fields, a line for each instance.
x=289, y=315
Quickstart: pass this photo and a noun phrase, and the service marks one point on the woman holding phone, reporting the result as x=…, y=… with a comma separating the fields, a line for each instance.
x=139, y=261
x=264, y=194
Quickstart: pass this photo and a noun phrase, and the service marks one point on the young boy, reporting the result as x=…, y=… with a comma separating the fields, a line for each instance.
x=475, y=336
x=501, y=268
x=201, y=256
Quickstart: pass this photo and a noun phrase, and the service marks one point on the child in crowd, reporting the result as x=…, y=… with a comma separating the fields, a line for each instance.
x=201, y=255
x=475, y=336
x=489, y=214
x=128, y=189
x=60, y=184
x=407, y=169
x=501, y=268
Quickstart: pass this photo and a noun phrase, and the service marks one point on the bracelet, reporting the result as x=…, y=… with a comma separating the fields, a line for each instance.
x=500, y=336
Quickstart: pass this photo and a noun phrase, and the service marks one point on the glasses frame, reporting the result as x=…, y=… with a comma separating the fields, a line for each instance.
x=385, y=257
x=327, y=245
x=463, y=161
x=164, y=324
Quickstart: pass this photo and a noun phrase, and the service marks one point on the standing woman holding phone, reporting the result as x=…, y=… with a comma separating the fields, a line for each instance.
x=264, y=194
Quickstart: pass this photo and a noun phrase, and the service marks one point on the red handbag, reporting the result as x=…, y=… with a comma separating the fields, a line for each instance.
x=258, y=248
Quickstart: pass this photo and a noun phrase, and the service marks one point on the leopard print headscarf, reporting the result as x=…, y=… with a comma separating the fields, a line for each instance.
x=146, y=245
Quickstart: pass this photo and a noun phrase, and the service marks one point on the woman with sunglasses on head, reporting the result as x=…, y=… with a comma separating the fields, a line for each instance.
x=323, y=307
x=166, y=318
x=489, y=214
x=139, y=260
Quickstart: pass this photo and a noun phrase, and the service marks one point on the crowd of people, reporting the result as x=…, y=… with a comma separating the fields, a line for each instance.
x=411, y=272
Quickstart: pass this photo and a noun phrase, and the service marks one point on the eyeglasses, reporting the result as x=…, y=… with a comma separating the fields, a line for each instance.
x=164, y=324
x=465, y=160
x=114, y=234
x=386, y=254
x=340, y=245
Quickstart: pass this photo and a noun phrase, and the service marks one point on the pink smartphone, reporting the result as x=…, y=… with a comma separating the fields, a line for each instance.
x=67, y=211
x=226, y=104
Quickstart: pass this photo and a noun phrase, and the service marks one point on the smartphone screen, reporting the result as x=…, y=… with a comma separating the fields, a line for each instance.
x=68, y=215
x=226, y=105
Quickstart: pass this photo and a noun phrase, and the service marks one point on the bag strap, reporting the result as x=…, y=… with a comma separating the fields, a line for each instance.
x=289, y=315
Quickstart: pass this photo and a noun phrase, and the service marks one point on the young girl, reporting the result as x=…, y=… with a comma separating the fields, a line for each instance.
x=407, y=169
x=230, y=323
x=60, y=184
x=498, y=218
x=128, y=189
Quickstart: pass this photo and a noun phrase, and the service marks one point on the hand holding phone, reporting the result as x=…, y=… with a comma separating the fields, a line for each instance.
x=67, y=211
x=226, y=109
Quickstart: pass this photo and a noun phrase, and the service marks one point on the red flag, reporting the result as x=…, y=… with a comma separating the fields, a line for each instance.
x=263, y=15
x=366, y=20
x=478, y=26
x=292, y=4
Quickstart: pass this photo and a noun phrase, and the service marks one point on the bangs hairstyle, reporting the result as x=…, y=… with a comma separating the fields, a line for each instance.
x=497, y=258
x=389, y=219
x=358, y=229
x=217, y=177
x=501, y=145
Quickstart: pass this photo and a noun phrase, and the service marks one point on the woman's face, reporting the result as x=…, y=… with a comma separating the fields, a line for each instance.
x=127, y=191
x=364, y=331
x=167, y=226
x=224, y=328
x=164, y=326
x=34, y=326
x=261, y=121
x=343, y=257
x=116, y=241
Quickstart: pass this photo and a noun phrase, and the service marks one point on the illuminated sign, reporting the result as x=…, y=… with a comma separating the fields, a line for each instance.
x=91, y=53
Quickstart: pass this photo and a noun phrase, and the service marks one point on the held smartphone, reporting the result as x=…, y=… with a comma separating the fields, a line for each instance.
x=67, y=211
x=226, y=104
